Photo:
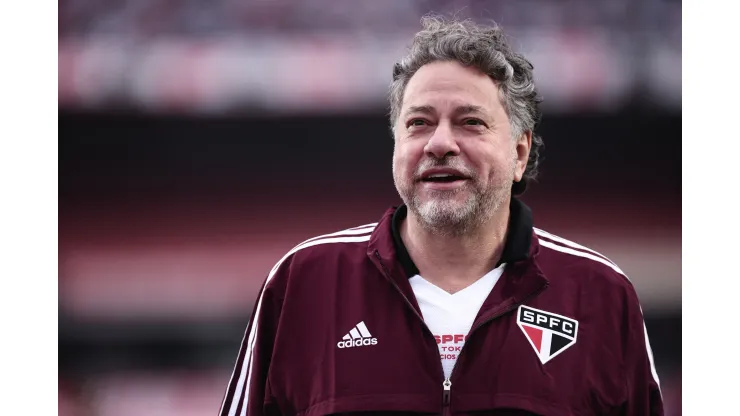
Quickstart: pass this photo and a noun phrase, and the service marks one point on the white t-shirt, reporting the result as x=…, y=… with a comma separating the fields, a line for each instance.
x=450, y=316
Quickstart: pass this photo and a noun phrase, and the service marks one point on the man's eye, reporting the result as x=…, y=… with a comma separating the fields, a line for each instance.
x=473, y=122
x=417, y=122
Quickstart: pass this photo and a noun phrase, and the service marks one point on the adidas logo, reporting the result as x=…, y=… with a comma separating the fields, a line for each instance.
x=357, y=337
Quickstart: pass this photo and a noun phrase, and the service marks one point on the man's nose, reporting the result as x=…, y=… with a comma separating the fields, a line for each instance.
x=442, y=142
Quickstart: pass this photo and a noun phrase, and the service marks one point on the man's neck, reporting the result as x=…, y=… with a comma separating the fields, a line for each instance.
x=455, y=262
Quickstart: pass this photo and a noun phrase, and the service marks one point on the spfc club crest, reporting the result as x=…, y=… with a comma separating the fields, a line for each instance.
x=548, y=333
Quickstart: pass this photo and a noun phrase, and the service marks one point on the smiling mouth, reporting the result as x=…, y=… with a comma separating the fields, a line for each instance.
x=443, y=178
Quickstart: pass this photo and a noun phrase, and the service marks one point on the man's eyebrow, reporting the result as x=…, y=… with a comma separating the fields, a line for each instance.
x=424, y=109
x=469, y=109
x=460, y=110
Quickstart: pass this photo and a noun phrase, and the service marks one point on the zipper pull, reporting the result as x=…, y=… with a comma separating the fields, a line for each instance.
x=446, y=392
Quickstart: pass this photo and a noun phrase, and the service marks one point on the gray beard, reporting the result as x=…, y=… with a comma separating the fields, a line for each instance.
x=440, y=216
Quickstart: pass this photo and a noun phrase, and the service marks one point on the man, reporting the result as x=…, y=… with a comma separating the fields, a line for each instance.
x=452, y=303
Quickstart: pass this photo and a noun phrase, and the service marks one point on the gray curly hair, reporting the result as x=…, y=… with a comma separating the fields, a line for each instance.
x=485, y=48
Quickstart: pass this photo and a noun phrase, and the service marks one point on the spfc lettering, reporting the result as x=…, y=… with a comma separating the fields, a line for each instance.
x=548, y=333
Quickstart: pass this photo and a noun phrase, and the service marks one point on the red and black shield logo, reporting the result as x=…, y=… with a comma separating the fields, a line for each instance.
x=548, y=333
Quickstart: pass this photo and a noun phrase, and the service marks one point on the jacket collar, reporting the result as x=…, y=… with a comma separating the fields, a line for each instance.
x=522, y=278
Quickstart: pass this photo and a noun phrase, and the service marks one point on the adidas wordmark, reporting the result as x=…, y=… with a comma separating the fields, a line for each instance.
x=358, y=336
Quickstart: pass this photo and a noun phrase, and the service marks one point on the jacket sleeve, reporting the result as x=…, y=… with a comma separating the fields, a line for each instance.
x=248, y=392
x=644, y=396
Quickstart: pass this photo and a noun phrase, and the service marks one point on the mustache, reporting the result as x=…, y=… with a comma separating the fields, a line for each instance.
x=456, y=164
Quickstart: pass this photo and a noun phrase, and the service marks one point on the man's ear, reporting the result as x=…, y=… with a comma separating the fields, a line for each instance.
x=523, y=145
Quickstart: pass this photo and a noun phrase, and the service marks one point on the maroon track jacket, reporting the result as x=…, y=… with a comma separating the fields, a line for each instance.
x=337, y=329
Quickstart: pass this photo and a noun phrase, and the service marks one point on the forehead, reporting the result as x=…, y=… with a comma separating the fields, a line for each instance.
x=449, y=84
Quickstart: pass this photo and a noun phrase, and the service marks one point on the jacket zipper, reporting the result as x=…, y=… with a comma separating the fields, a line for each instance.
x=447, y=383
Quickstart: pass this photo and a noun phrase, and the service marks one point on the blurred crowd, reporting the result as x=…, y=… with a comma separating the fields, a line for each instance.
x=214, y=17
x=203, y=55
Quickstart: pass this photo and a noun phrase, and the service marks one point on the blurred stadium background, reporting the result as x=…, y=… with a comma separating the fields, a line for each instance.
x=202, y=139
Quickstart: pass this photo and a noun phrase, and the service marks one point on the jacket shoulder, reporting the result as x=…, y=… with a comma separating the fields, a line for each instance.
x=335, y=242
x=326, y=246
x=565, y=258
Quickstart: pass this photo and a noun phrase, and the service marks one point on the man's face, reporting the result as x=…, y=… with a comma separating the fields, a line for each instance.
x=454, y=158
